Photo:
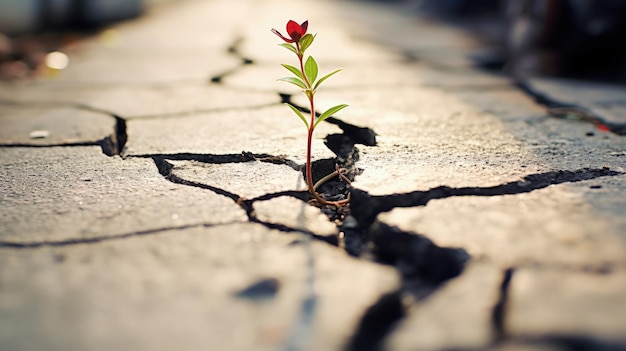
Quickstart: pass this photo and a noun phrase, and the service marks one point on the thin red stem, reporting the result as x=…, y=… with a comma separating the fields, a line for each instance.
x=300, y=57
x=309, y=166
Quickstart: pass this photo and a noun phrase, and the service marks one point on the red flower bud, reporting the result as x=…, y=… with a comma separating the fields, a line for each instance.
x=294, y=30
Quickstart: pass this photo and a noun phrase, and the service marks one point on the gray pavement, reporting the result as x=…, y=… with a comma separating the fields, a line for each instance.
x=151, y=197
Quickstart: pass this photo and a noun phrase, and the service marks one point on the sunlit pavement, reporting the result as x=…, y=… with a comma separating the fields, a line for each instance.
x=150, y=197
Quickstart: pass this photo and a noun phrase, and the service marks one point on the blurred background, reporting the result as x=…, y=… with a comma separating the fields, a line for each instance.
x=583, y=39
x=31, y=29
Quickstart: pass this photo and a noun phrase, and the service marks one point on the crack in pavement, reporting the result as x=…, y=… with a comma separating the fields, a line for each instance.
x=498, y=314
x=111, y=145
x=367, y=207
x=244, y=156
x=357, y=135
x=377, y=322
x=564, y=110
x=423, y=265
x=233, y=50
x=165, y=169
x=99, y=239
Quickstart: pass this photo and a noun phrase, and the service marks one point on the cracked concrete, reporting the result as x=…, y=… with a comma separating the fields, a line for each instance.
x=88, y=194
x=480, y=218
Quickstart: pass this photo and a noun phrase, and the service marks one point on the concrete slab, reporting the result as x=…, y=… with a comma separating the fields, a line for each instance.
x=553, y=226
x=54, y=194
x=274, y=130
x=606, y=99
x=427, y=138
x=457, y=316
x=293, y=213
x=247, y=179
x=49, y=126
x=180, y=289
x=106, y=253
x=558, y=302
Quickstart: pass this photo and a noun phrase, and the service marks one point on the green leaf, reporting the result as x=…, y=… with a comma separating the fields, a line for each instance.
x=290, y=47
x=294, y=70
x=310, y=69
x=299, y=114
x=294, y=81
x=329, y=112
x=306, y=41
x=324, y=78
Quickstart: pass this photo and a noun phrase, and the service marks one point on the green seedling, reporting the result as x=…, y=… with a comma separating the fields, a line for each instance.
x=305, y=77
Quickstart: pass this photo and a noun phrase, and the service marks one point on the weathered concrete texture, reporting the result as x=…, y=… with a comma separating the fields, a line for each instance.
x=293, y=213
x=557, y=302
x=247, y=179
x=253, y=179
x=458, y=315
x=428, y=138
x=127, y=253
x=129, y=102
x=54, y=194
x=48, y=126
x=177, y=100
x=274, y=130
x=562, y=143
x=541, y=227
x=178, y=290
x=607, y=100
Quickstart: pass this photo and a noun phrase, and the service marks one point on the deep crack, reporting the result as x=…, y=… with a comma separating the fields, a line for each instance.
x=377, y=322
x=115, y=143
x=365, y=207
x=423, y=265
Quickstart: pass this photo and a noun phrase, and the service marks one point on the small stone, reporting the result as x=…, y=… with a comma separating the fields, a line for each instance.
x=39, y=134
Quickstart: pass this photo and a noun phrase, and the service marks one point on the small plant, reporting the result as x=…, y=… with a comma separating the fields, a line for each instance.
x=305, y=77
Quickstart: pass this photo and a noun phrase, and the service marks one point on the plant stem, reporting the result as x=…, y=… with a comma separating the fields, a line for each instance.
x=309, y=167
